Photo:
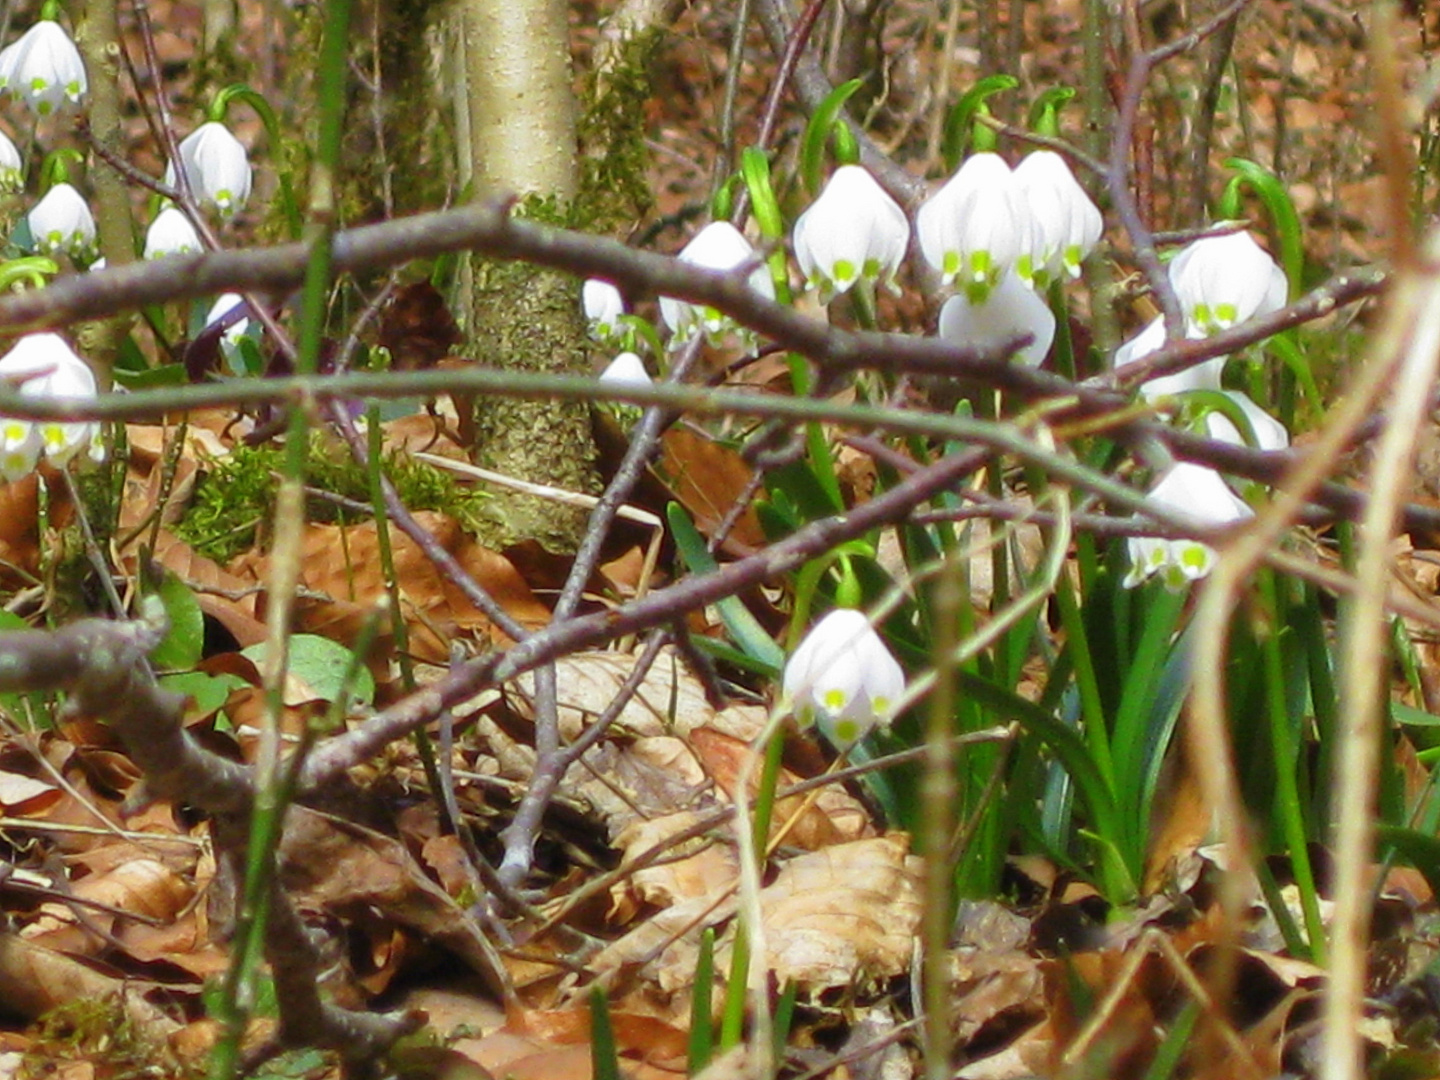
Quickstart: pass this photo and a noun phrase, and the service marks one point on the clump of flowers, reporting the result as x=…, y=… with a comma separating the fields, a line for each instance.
x=843, y=678
x=44, y=365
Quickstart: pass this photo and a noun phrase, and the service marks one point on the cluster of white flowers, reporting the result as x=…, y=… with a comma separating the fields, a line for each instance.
x=1220, y=281
x=842, y=678
x=44, y=365
x=1000, y=233
x=44, y=70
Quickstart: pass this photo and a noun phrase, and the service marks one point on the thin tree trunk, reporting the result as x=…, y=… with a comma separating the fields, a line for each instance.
x=520, y=115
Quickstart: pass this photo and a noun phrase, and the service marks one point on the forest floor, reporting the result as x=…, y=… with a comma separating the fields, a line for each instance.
x=110, y=899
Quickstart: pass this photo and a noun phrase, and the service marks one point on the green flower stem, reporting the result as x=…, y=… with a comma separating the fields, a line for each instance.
x=1285, y=745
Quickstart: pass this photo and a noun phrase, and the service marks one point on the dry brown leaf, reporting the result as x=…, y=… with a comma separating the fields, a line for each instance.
x=34, y=980
x=700, y=867
x=343, y=867
x=708, y=477
x=847, y=914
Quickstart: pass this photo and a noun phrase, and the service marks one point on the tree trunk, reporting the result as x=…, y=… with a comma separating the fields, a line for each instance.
x=519, y=113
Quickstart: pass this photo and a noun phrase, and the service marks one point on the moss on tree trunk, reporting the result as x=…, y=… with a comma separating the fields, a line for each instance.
x=529, y=319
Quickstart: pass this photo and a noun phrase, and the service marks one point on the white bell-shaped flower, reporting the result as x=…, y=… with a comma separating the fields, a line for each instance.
x=603, y=307
x=1008, y=312
x=1066, y=225
x=1270, y=434
x=49, y=368
x=627, y=369
x=217, y=167
x=171, y=234
x=44, y=68
x=1200, y=495
x=843, y=678
x=718, y=246
x=232, y=335
x=61, y=221
x=852, y=232
x=1203, y=376
x=12, y=167
x=975, y=228
x=1222, y=281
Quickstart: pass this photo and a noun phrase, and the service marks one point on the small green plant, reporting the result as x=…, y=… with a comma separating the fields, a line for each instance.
x=236, y=497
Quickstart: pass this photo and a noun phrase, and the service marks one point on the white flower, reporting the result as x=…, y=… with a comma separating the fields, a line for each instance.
x=1270, y=434
x=1203, y=376
x=1221, y=281
x=1201, y=496
x=853, y=231
x=61, y=221
x=54, y=370
x=1009, y=311
x=1066, y=224
x=843, y=677
x=12, y=168
x=627, y=369
x=603, y=307
x=718, y=246
x=44, y=68
x=976, y=226
x=217, y=167
x=171, y=234
x=232, y=335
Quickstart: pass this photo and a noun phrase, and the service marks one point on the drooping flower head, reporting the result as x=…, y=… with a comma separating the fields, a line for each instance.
x=49, y=368
x=1066, y=225
x=233, y=334
x=61, y=221
x=1201, y=495
x=44, y=69
x=1222, y=281
x=718, y=246
x=12, y=167
x=603, y=307
x=1203, y=376
x=627, y=369
x=216, y=166
x=976, y=227
x=843, y=678
x=171, y=234
x=1009, y=311
x=852, y=232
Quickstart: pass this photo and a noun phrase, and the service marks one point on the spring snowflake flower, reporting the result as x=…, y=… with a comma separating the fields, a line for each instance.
x=1066, y=224
x=976, y=227
x=1203, y=376
x=1009, y=311
x=718, y=246
x=233, y=334
x=852, y=232
x=12, y=168
x=603, y=307
x=53, y=370
x=44, y=68
x=1222, y=281
x=171, y=234
x=1200, y=494
x=627, y=369
x=217, y=167
x=61, y=221
x=843, y=678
